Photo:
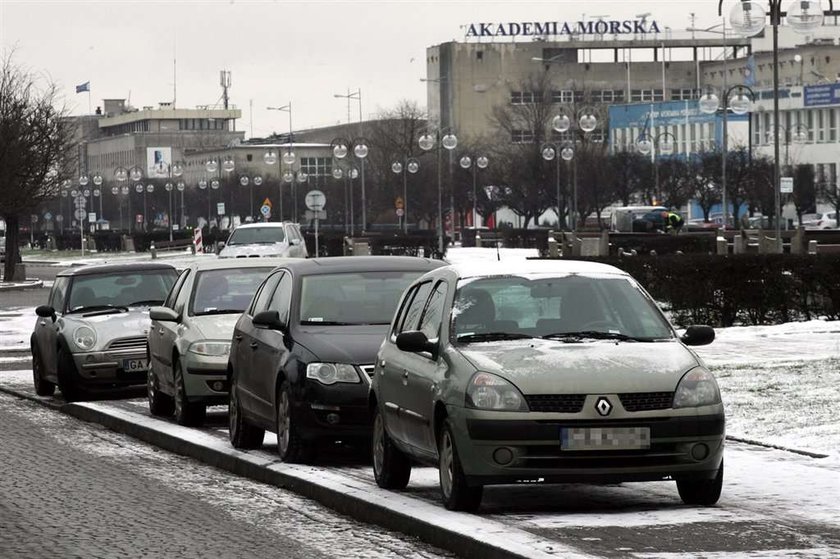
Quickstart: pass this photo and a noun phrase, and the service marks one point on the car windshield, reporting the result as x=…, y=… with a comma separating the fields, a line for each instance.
x=120, y=289
x=568, y=307
x=256, y=235
x=226, y=290
x=352, y=298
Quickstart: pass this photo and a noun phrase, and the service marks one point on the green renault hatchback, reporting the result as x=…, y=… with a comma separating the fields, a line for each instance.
x=557, y=371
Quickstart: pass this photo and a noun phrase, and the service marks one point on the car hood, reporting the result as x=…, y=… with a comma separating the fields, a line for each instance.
x=135, y=322
x=343, y=344
x=214, y=326
x=255, y=250
x=538, y=366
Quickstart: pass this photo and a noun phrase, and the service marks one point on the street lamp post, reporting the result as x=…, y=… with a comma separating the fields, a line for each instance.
x=360, y=146
x=739, y=104
x=474, y=162
x=443, y=138
x=660, y=144
x=136, y=175
x=341, y=147
x=552, y=151
x=749, y=18
x=288, y=158
x=798, y=134
x=585, y=123
x=295, y=177
x=409, y=165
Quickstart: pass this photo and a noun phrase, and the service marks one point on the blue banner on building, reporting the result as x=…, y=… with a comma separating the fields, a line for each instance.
x=823, y=94
x=668, y=113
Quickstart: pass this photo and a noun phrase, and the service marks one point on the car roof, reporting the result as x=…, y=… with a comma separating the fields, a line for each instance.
x=267, y=224
x=340, y=264
x=554, y=266
x=228, y=263
x=94, y=269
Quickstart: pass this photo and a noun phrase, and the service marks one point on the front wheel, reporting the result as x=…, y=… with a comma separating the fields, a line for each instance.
x=290, y=446
x=187, y=413
x=243, y=435
x=43, y=387
x=457, y=495
x=703, y=492
x=67, y=382
x=391, y=467
x=160, y=404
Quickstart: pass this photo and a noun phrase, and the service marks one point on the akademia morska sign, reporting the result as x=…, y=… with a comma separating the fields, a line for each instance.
x=537, y=28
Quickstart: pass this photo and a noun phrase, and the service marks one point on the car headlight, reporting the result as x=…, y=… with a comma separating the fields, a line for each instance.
x=698, y=387
x=490, y=392
x=84, y=337
x=331, y=373
x=213, y=349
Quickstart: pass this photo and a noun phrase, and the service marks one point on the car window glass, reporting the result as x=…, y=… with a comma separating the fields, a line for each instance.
x=401, y=312
x=282, y=298
x=124, y=288
x=173, y=293
x=265, y=293
x=415, y=308
x=59, y=292
x=227, y=290
x=431, y=320
x=256, y=235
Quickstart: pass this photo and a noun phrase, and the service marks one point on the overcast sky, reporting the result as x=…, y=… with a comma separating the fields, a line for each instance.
x=276, y=51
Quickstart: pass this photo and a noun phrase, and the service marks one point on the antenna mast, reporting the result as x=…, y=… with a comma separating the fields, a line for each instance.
x=224, y=81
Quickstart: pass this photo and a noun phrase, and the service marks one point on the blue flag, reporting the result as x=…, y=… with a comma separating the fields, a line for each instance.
x=84, y=87
x=749, y=72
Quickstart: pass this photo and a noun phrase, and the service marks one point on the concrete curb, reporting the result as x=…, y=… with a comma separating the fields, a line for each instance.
x=17, y=286
x=465, y=534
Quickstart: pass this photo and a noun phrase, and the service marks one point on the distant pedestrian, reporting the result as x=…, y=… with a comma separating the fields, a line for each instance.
x=673, y=222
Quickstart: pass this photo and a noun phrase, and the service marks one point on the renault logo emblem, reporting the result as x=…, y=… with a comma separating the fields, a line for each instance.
x=603, y=406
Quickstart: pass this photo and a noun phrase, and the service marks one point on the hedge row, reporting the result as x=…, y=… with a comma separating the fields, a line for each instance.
x=745, y=289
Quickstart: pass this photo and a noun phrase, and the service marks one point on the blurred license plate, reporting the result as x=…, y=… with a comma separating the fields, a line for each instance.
x=605, y=438
x=130, y=365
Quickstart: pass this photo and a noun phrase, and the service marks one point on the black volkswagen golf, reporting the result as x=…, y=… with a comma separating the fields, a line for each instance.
x=303, y=350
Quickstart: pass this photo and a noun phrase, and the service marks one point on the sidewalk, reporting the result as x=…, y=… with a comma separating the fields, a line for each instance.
x=30, y=283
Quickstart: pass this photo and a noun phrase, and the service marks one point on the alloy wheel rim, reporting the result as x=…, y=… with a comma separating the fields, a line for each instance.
x=378, y=444
x=283, y=423
x=445, y=467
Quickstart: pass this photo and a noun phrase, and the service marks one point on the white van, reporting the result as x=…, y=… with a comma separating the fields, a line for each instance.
x=621, y=219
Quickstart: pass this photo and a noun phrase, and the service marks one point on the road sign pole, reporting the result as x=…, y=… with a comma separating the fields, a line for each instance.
x=316, y=238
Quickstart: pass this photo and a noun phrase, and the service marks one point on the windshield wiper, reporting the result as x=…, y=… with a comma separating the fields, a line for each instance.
x=98, y=308
x=492, y=336
x=218, y=311
x=595, y=335
x=327, y=323
x=146, y=303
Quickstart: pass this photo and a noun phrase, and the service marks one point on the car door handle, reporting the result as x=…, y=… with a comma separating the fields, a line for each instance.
x=238, y=337
x=405, y=378
x=254, y=345
x=160, y=331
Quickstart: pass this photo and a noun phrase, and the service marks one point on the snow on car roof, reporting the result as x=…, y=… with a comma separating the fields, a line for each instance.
x=503, y=268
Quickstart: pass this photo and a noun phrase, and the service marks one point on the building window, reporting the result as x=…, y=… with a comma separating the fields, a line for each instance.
x=832, y=125
x=249, y=157
x=316, y=166
x=563, y=96
x=522, y=137
x=522, y=97
x=684, y=94
x=479, y=55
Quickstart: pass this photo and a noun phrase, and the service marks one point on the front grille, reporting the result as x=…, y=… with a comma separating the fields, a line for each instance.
x=134, y=342
x=646, y=401
x=557, y=403
x=367, y=369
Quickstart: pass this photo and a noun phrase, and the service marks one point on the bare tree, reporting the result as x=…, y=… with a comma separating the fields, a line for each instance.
x=35, y=149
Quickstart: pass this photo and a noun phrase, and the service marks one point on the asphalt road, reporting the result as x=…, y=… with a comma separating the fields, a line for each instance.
x=74, y=489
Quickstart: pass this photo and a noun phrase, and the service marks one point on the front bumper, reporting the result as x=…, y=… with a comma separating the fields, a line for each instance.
x=205, y=378
x=512, y=448
x=109, y=368
x=335, y=411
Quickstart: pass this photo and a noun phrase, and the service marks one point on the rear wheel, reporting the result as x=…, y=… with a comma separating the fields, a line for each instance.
x=290, y=446
x=67, y=382
x=160, y=404
x=243, y=435
x=43, y=387
x=187, y=413
x=457, y=495
x=704, y=492
x=391, y=467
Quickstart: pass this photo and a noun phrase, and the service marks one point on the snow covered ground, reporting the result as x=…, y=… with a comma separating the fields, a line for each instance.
x=779, y=383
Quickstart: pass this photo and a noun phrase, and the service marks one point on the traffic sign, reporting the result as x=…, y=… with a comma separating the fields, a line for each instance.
x=311, y=214
x=786, y=185
x=315, y=200
x=34, y=218
x=399, y=203
x=80, y=214
x=220, y=208
x=139, y=218
x=265, y=209
x=91, y=216
x=400, y=212
x=79, y=202
x=48, y=216
x=267, y=202
x=59, y=218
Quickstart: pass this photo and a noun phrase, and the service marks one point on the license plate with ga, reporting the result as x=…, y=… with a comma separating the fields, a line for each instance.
x=605, y=438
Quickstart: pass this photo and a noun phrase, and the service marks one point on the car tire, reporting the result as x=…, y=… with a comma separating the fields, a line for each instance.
x=704, y=492
x=67, y=382
x=243, y=435
x=160, y=404
x=391, y=467
x=189, y=414
x=457, y=495
x=290, y=446
x=43, y=387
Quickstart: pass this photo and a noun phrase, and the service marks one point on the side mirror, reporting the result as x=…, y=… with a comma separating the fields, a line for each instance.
x=268, y=319
x=416, y=342
x=294, y=242
x=45, y=311
x=221, y=245
x=698, y=335
x=163, y=314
